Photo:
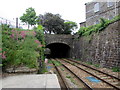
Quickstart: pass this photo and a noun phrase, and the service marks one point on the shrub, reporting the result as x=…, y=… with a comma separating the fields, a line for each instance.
x=85, y=31
x=20, y=48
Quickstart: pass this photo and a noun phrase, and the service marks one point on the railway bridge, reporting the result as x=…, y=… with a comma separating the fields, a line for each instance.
x=60, y=46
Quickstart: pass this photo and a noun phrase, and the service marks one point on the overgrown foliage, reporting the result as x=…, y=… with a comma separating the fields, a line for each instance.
x=57, y=63
x=40, y=36
x=95, y=65
x=84, y=31
x=20, y=48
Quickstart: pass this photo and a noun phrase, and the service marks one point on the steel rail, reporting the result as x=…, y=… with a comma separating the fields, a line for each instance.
x=95, y=69
x=65, y=83
x=90, y=88
x=94, y=76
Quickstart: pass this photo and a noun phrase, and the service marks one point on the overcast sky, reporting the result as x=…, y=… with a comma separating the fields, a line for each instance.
x=73, y=10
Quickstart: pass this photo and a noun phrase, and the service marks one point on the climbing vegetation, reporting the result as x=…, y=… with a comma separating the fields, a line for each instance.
x=85, y=31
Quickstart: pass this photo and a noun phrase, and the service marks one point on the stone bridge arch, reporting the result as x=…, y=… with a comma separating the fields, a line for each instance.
x=59, y=45
x=65, y=39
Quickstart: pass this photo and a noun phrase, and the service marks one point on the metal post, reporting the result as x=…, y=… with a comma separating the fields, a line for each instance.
x=6, y=21
x=16, y=22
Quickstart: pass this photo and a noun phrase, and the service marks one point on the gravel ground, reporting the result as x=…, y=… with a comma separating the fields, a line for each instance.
x=106, y=70
x=70, y=78
x=72, y=82
x=83, y=76
x=105, y=77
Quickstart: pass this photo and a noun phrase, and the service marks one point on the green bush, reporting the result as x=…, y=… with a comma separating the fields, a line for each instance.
x=85, y=31
x=20, y=47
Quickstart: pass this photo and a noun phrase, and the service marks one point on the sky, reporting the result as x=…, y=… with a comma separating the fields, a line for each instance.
x=73, y=10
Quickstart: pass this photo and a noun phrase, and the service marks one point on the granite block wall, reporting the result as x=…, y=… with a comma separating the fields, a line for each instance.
x=100, y=48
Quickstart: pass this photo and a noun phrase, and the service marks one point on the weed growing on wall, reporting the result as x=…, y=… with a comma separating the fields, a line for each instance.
x=85, y=31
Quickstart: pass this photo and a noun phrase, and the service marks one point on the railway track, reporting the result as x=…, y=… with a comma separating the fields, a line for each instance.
x=64, y=83
x=94, y=69
x=104, y=77
x=86, y=86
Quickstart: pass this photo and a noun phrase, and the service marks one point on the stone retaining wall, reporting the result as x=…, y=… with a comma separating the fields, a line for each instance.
x=100, y=48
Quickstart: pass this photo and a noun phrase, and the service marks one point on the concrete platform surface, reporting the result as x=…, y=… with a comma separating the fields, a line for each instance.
x=31, y=81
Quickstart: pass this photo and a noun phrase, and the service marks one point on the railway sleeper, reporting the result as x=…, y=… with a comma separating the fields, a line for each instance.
x=106, y=78
x=100, y=77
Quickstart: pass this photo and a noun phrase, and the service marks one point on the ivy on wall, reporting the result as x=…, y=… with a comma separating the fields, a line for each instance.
x=85, y=31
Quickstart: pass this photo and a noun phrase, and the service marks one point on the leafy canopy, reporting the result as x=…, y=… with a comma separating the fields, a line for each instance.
x=51, y=22
x=69, y=26
x=29, y=17
x=54, y=23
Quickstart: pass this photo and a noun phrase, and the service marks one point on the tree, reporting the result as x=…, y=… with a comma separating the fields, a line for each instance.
x=69, y=26
x=29, y=17
x=52, y=23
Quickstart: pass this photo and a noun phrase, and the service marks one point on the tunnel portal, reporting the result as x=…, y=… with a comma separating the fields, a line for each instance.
x=58, y=50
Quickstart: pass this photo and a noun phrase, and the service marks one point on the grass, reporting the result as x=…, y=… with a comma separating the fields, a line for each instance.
x=78, y=59
x=89, y=63
x=62, y=69
x=1, y=65
x=116, y=69
x=68, y=76
x=71, y=79
x=43, y=69
x=57, y=63
x=97, y=65
x=49, y=61
x=73, y=63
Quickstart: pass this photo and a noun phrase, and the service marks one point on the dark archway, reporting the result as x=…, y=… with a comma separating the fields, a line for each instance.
x=58, y=50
